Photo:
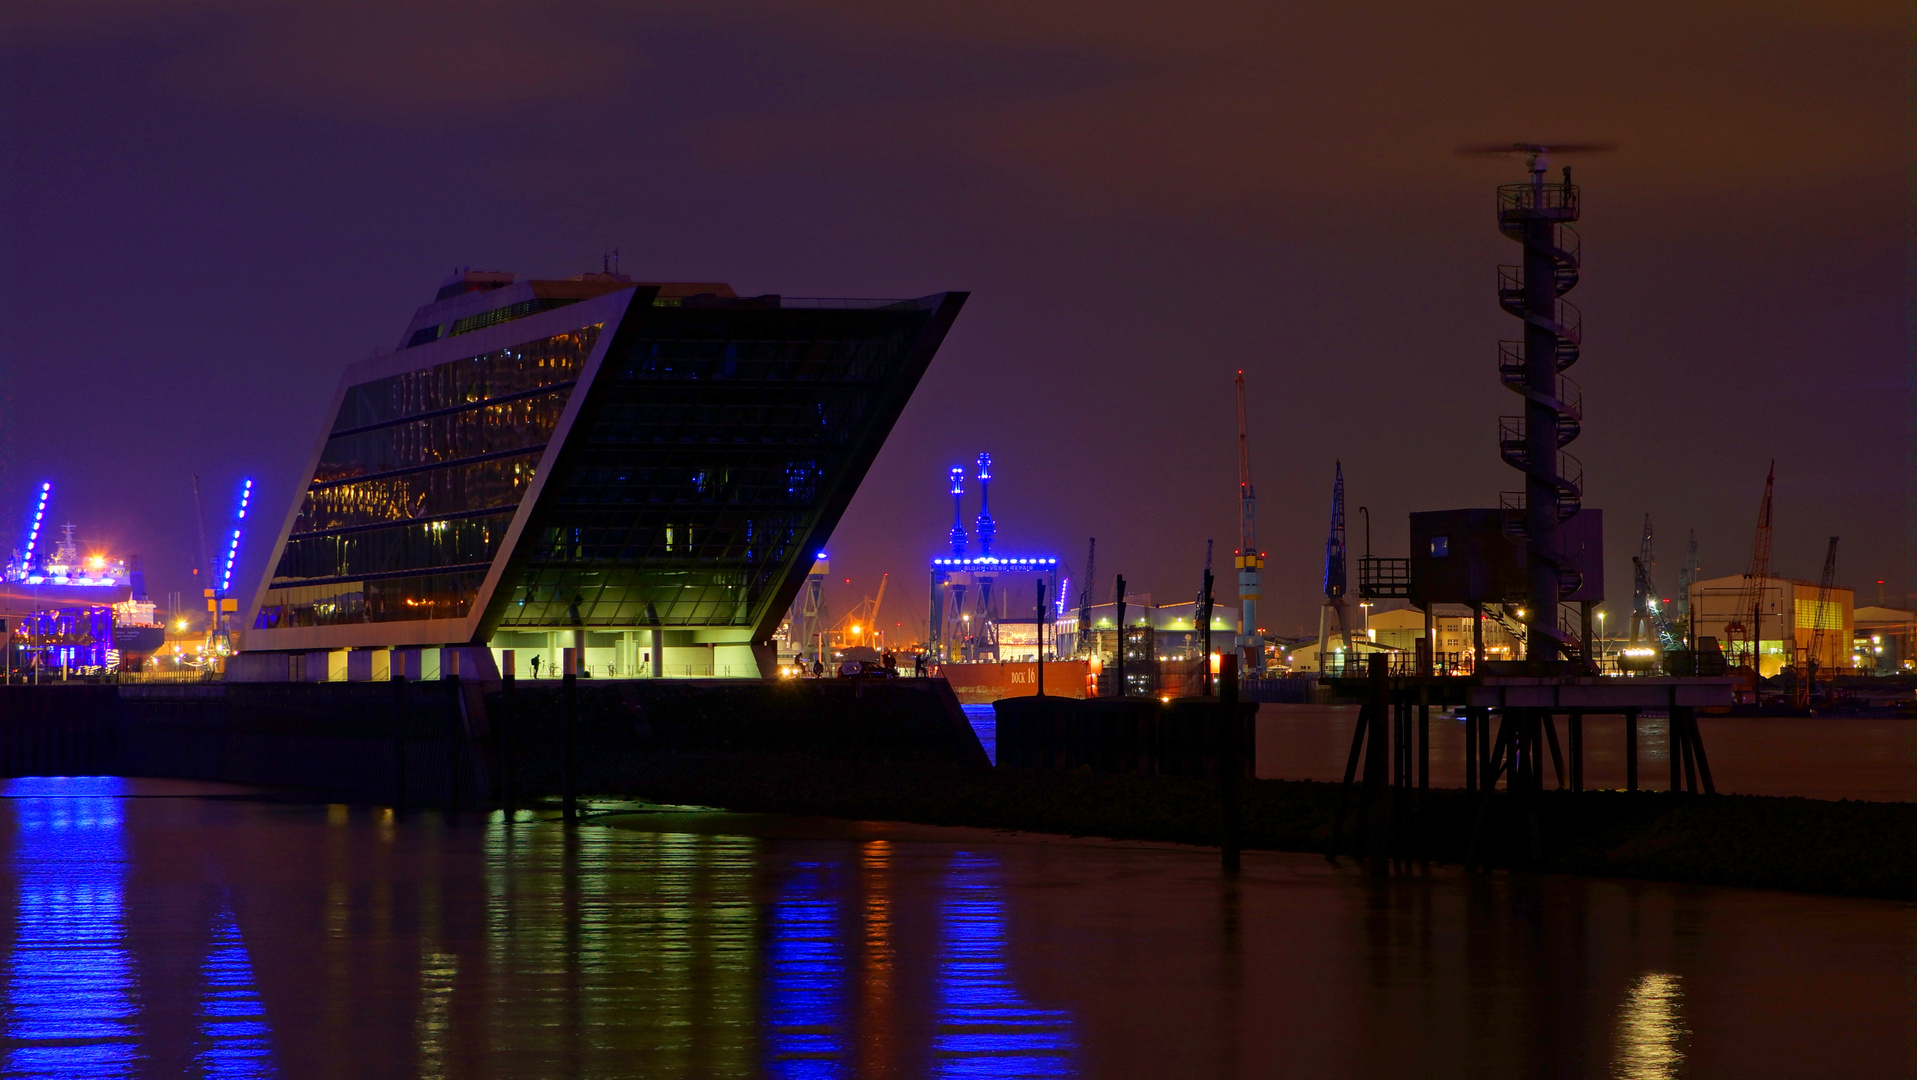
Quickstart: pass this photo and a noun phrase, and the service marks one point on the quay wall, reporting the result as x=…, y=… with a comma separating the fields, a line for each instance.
x=440, y=742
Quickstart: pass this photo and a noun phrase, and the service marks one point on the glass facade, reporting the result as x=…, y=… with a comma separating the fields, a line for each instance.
x=713, y=445
x=418, y=484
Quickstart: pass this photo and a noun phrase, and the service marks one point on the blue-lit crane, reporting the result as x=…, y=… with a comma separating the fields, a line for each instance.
x=1335, y=579
x=219, y=641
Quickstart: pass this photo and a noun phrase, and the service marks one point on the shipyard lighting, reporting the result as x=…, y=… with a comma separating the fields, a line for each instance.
x=39, y=512
x=233, y=548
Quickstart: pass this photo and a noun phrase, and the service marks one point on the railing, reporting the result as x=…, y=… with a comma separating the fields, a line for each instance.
x=1397, y=664
x=1382, y=578
x=839, y=304
x=1519, y=198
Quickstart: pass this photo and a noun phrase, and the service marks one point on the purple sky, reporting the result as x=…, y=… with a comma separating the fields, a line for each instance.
x=211, y=207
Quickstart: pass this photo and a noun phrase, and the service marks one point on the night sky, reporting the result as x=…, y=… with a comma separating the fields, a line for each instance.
x=210, y=208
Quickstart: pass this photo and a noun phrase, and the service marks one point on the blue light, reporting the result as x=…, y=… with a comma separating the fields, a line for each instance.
x=806, y=984
x=71, y=1002
x=234, y=1038
x=982, y=1017
x=233, y=549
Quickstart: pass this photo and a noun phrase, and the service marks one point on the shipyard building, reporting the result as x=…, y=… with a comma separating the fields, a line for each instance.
x=641, y=471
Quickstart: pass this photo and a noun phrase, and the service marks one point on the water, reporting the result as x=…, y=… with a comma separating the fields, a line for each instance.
x=985, y=726
x=155, y=929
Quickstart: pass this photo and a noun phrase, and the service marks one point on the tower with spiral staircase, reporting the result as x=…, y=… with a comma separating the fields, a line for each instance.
x=1538, y=214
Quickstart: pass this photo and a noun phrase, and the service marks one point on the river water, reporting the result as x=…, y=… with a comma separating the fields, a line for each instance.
x=169, y=929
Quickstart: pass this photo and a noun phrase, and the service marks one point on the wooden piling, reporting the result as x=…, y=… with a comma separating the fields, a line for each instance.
x=1229, y=762
x=503, y=732
x=1630, y=749
x=569, y=720
x=1576, y=735
x=398, y=675
x=455, y=728
x=1470, y=749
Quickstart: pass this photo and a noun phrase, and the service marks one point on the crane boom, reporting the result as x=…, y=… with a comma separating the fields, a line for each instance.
x=1642, y=600
x=1750, y=603
x=1818, y=619
x=880, y=599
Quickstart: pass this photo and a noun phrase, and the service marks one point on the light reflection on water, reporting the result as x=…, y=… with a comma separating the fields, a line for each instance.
x=1651, y=1029
x=181, y=936
x=806, y=977
x=235, y=1042
x=984, y=723
x=986, y=1027
x=70, y=1007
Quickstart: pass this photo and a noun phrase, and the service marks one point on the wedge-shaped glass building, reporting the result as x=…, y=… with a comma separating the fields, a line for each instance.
x=642, y=471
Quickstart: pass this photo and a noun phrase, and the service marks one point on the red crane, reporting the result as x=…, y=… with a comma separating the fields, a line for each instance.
x=1746, y=623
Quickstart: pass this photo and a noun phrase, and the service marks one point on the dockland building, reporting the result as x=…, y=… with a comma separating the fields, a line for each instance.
x=642, y=471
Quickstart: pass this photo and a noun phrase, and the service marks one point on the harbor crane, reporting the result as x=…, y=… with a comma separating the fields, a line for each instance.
x=1743, y=631
x=1250, y=560
x=1335, y=580
x=1650, y=622
x=1820, y=621
x=1085, y=639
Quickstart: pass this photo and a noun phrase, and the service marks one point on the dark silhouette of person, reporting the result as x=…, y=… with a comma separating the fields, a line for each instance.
x=534, y=663
x=818, y=669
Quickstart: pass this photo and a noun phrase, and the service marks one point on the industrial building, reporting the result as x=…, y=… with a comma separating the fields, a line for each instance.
x=1400, y=630
x=1786, y=624
x=1883, y=640
x=641, y=471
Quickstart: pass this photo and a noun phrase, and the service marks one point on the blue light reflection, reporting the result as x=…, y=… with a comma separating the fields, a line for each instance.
x=235, y=1043
x=806, y=979
x=70, y=992
x=985, y=1028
